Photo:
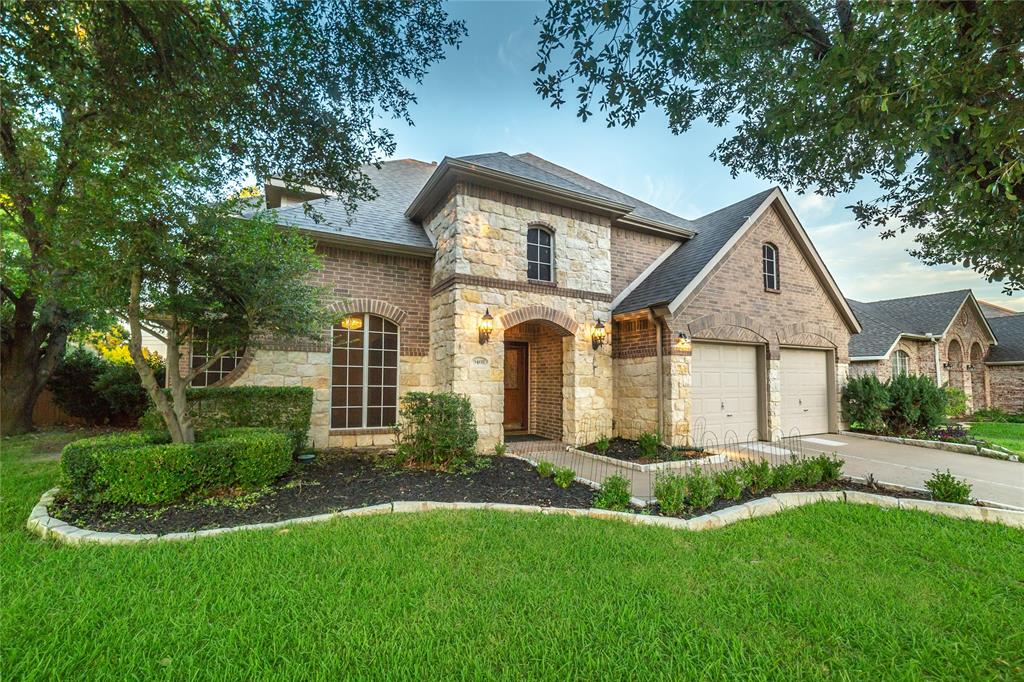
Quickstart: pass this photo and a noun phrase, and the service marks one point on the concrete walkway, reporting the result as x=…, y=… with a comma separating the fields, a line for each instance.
x=992, y=479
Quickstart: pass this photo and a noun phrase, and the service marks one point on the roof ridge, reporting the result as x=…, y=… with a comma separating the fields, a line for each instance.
x=908, y=298
x=737, y=203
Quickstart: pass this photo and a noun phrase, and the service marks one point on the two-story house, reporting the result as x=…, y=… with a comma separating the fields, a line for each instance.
x=562, y=308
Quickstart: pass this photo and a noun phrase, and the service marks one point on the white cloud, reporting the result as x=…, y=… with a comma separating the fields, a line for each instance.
x=811, y=206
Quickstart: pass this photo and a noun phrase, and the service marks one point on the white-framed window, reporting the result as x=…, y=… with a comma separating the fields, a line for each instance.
x=900, y=363
x=770, y=266
x=364, y=372
x=540, y=264
x=200, y=353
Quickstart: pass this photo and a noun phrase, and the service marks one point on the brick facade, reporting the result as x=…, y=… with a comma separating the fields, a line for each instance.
x=1006, y=387
x=632, y=252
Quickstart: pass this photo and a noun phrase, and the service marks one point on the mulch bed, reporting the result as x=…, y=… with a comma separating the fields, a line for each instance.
x=629, y=451
x=332, y=482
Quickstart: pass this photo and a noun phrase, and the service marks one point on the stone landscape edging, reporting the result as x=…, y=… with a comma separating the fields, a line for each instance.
x=42, y=524
x=961, y=448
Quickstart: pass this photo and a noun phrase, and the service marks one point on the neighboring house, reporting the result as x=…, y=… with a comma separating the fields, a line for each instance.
x=603, y=312
x=995, y=310
x=948, y=337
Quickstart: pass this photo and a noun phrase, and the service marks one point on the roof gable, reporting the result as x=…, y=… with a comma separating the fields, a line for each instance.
x=1009, y=329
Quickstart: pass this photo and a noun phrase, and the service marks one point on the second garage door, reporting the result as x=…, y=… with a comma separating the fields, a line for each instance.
x=723, y=393
x=804, y=386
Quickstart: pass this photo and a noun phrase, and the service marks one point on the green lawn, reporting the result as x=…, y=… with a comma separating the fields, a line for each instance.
x=1008, y=435
x=831, y=591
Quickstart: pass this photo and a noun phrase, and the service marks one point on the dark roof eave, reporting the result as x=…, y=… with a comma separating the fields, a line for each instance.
x=658, y=227
x=450, y=170
x=360, y=244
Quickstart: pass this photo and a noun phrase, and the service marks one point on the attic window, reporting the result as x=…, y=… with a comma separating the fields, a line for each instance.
x=539, y=255
x=770, y=263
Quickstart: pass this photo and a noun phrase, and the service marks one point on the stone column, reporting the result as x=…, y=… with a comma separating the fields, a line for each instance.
x=678, y=406
x=774, y=394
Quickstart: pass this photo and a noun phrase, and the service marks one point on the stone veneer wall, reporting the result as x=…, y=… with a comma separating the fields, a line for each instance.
x=1006, y=387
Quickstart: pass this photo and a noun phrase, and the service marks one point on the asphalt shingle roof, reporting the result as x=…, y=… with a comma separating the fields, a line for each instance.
x=884, y=321
x=1009, y=331
x=380, y=220
x=679, y=269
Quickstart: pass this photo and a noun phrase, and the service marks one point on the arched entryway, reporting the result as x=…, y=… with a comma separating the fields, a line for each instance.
x=536, y=366
x=955, y=360
x=977, y=373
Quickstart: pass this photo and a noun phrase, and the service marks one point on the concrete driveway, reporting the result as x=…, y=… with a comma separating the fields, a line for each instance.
x=992, y=479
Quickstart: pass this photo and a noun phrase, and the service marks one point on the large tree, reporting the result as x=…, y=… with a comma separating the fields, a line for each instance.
x=926, y=99
x=106, y=106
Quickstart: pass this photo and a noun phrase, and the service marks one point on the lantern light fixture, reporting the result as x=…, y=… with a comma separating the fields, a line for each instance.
x=599, y=334
x=485, y=327
x=352, y=322
x=683, y=344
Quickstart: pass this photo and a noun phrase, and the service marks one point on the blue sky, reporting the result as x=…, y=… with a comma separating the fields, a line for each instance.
x=481, y=99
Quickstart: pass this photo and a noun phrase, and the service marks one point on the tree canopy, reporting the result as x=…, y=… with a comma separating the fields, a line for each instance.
x=120, y=114
x=925, y=99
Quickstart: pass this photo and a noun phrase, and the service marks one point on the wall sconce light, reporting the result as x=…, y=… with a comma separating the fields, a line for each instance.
x=947, y=365
x=599, y=334
x=485, y=327
x=683, y=344
x=970, y=367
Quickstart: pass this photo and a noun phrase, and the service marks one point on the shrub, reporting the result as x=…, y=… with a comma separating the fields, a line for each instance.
x=120, y=387
x=648, y=443
x=729, y=484
x=143, y=468
x=956, y=401
x=72, y=385
x=864, y=401
x=785, y=475
x=602, y=445
x=831, y=467
x=545, y=468
x=435, y=428
x=284, y=408
x=701, y=490
x=564, y=476
x=915, y=404
x=758, y=475
x=670, y=491
x=614, y=494
x=811, y=471
x=500, y=449
x=946, y=487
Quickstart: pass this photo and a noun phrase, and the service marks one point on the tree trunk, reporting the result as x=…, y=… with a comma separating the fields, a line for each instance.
x=174, y=415
x=32, y=346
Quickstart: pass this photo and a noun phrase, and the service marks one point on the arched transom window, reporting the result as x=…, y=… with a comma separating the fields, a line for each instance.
x=364, y=372
x=202, y=353
x=770, y=263
x=900, y=363
x=539, y=255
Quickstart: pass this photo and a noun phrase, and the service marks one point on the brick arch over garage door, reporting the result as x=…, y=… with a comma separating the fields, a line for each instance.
x=539, y=312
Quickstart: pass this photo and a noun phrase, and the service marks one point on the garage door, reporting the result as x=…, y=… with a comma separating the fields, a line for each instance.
x=723, y=393
x=803, y=383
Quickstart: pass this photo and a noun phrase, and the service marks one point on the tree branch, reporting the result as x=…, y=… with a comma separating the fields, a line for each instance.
x=801, y=21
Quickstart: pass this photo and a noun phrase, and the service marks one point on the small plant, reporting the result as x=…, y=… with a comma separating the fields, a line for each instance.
x=545, y=468
x=500, y=449
x=564, y=476
x=831, y=467
x=956, y=401
x=648, y=443
x=811, y=471
x=670, y=490
x=950, y=433
x=946, y=487
x=614, y=494
x=729, y=484
x=701, y=490
x=758, y=475
x=602, y=444
x=785, y=475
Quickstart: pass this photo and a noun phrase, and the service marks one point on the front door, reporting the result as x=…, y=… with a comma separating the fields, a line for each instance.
x=516, y=387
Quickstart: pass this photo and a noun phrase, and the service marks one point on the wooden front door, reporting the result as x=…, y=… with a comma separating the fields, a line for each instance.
x=516, y=387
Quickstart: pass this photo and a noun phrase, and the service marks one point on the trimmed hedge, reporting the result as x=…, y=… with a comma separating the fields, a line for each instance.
x=903, y=405
x=285, y=408
x=144, y=468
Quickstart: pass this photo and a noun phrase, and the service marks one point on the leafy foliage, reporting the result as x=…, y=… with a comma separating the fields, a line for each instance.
x=785, y=475
x=670, y=491
x=284, y=408
x=438, y=429
x=614, y=494
x=864, y=401
x=956, y=401
x=602, y=444
x=545, y=468
x=100, y=391
x=564, y=476
x=921, y=98
x=997, y=415
x=915, y=404
x=729, y=484
x=946, y=487
x=125, y=125
x=701, y=490
x=143, y=468
x=648, y=443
